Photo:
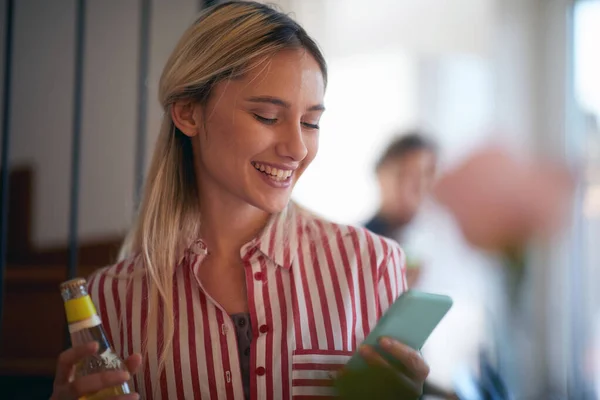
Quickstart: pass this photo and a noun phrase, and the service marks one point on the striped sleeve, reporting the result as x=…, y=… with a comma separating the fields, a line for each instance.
x=102, y=288
x=392, y=276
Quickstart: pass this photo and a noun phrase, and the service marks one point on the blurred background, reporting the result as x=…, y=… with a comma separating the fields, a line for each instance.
x=81, y=113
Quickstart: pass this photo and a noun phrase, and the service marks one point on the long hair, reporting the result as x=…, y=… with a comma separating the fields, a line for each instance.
x=226, y=41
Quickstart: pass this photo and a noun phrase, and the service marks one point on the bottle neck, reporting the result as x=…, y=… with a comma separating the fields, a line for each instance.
x=84, y=323
x=81, y=310
x=90, y=334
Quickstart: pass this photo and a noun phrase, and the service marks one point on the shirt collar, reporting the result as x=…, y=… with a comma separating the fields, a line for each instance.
x=278, y=240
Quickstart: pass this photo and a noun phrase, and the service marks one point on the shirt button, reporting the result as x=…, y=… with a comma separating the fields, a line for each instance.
x=242, y=322
x=263, y=329
x=260, y=371
x=247, y=351
x=258, y=276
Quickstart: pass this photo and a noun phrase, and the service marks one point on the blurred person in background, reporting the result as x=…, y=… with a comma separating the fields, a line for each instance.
x=405, y=174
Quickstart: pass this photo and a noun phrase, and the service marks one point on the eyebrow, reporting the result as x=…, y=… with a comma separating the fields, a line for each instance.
x=281, y=103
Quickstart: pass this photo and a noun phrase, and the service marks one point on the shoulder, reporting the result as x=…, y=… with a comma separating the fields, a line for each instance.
x=351, y=242
x=122, y=269
x=112, y=292
x=123, y=272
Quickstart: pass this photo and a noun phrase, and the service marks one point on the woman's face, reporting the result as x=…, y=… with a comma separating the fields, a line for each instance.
x=258, y=133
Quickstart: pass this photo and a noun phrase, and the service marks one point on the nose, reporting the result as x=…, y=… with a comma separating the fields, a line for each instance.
x=292, y=144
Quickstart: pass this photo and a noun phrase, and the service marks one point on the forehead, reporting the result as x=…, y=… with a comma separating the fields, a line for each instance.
x=292, y=75
x=414, y=159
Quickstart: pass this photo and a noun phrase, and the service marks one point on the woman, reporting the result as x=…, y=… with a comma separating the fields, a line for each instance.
x=226, y=289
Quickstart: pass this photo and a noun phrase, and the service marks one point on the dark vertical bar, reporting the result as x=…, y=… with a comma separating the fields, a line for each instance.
x=4, y=184
x=76, y=142
x=140, y=156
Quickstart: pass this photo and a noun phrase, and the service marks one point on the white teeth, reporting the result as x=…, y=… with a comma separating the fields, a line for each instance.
x=275, y=173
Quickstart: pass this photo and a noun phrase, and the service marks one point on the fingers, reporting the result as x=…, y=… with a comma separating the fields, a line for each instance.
x=372, y=357
x=415, y=366
x=375, y=360
x=133, y=363
x=70, y=357
x=94, y=383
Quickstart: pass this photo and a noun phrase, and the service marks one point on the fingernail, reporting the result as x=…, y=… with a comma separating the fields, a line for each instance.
x=126, y=376
x=386, y=343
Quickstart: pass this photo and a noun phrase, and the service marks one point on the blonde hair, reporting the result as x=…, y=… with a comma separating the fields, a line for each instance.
x=224, y=42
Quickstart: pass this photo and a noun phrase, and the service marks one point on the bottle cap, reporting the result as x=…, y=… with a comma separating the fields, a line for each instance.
x=73, y=283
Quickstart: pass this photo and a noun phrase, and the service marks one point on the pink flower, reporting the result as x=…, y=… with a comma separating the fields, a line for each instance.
x=501, y=202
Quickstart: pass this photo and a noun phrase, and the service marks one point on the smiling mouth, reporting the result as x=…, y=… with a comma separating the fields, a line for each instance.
x=273, y=173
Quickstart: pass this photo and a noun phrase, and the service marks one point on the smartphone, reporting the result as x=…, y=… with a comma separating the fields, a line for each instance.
x=410, y=320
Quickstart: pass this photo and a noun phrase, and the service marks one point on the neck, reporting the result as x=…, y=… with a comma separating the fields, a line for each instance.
x=225, y=227
x=391, y=219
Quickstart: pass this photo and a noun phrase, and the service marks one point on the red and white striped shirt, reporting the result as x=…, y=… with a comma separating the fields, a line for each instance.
x=315, y=290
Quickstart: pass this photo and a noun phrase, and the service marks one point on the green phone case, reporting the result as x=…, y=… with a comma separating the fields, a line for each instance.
x=410, y=320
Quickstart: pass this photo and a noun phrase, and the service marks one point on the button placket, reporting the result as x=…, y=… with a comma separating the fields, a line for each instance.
x=259, y=270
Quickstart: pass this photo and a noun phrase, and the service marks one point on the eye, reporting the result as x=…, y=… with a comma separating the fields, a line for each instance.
x=311, y=126
x=266, y=121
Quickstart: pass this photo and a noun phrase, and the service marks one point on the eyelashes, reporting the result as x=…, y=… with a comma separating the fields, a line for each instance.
x=311, y=126
x=273, y=121
x=266, y=121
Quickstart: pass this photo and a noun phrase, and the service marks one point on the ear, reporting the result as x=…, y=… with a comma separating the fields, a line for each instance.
x=186, y=117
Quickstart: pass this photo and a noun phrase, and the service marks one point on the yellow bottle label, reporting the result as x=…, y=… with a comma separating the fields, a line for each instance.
x=80, y=309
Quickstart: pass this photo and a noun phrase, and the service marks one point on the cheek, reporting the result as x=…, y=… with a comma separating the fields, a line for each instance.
x=218, y=154
x=312, y=146
x=224, y=138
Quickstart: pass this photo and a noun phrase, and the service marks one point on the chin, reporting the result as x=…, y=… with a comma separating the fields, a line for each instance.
x=272, y=205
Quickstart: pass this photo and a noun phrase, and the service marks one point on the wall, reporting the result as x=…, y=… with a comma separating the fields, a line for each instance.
x=42, y=92
x=42, y=108
x=426, y=26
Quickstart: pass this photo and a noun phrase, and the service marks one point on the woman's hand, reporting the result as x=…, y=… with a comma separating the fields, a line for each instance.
x=67, y=388
x=409, y=371
x=402, y=379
